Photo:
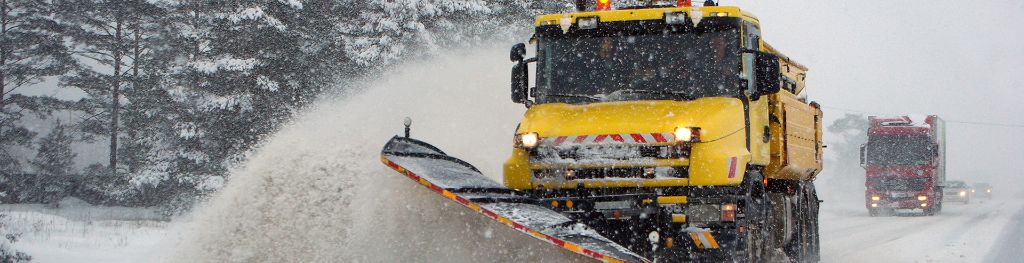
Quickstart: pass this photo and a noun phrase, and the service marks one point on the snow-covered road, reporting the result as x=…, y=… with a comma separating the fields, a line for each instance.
x=962, y=233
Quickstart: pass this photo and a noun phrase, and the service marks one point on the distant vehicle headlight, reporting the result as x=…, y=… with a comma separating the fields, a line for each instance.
x=988, y=191
x=963, y=193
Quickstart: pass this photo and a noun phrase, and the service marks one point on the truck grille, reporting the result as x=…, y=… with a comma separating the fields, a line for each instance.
x=607, y=152
x=604, y=173
x=898, y=184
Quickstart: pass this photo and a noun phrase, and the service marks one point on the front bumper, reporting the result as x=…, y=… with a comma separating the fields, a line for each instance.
x=887, y=201
x=686, y=221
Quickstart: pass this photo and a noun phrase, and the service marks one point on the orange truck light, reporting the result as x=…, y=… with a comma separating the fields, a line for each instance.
x=684, y=3
x=728, y=212
x=604, y=5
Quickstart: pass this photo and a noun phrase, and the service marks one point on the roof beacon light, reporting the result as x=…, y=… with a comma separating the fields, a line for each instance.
x=604, y=5
x=684, y=3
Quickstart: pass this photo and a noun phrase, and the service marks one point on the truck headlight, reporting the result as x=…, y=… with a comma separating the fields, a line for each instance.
x=922, y=198
x=687, y=134
x=527, y=140
x=875, y=198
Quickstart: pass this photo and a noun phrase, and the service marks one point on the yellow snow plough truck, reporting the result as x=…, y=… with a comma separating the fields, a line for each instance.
x=660, y=132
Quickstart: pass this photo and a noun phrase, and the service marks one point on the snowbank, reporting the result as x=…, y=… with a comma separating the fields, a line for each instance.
x=78, y=232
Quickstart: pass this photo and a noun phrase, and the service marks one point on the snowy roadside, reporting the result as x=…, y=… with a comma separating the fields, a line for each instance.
x=961, y=233
x=78, y=232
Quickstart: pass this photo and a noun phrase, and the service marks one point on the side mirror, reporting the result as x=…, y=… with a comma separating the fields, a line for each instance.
x=767, y=72
x=863, y=155
x=520, y=80
x=518, y=51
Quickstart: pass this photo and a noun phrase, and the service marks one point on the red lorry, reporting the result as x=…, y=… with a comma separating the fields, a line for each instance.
x=904, y=161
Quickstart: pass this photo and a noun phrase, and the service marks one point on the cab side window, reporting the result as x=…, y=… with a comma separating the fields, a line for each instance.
x=752, y=36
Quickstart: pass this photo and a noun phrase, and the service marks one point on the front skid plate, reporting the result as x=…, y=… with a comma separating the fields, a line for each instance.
x=461, y=182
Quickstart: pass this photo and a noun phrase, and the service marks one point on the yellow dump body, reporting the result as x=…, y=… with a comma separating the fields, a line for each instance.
x=732, y=139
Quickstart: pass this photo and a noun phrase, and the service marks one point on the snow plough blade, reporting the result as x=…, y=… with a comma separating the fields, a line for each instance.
x=461, y=182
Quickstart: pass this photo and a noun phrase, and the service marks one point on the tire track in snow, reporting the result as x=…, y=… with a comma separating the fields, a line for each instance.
x=962, y=233
x=1010, y=242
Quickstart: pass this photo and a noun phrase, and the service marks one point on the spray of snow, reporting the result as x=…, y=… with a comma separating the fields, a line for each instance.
x=317, y=191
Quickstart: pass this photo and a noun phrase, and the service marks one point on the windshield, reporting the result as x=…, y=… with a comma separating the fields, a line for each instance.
x=897, y=184
x=956, y=184
x=899, y=150
x=659, y=65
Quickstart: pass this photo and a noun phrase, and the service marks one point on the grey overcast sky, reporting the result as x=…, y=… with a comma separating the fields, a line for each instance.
x=961, y=60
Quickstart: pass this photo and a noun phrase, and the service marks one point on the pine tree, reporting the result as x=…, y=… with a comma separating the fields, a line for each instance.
x=245, y=75
x=31, y=50
x=54, y=163
x=108, y=36
x=31, y=47
x=385, y=31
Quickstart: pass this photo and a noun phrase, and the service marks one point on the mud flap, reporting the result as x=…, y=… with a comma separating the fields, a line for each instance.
x=702, y=238
x=461, y=182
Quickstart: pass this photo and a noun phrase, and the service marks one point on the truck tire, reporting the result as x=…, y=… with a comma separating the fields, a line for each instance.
x=803, y=246
x=755, y=244
x=815, y=205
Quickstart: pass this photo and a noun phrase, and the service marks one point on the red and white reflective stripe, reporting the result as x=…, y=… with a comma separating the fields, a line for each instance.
x=577, y=248
x=625, y=138
x=732, y=167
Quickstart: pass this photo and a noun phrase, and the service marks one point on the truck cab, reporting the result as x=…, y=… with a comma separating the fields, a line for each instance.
x=904, y=163
x=645, y=121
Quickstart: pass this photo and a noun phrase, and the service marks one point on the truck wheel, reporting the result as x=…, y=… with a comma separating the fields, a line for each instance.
x=756, y=245
x=802, y=246
x=814, y=243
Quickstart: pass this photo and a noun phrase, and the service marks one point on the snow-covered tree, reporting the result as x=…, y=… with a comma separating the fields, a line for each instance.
x=11, y=134
x=54, y=163
x=108, y=37
x=30, y=47
x=383, y=31
x=30, y=51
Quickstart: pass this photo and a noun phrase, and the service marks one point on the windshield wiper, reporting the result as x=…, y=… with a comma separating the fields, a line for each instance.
x=591, y=98
x=656, y=92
